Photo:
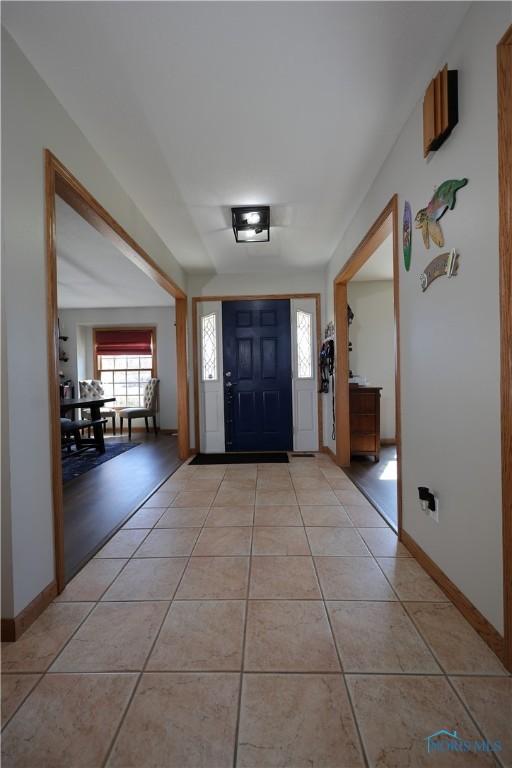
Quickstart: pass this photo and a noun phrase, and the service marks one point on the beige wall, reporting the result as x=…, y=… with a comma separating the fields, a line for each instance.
x=450, y=356
x=33, y=119
x=372, y=334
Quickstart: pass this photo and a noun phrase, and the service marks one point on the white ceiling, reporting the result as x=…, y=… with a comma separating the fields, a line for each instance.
x=380, y=264
x=196, y=107
x=91, y=272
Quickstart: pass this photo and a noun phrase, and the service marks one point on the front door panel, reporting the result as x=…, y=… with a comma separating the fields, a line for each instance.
x=257, y=375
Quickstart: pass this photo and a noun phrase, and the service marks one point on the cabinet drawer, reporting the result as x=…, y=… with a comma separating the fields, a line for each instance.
x=362, y=402
x=363, y=423
x=363, y=443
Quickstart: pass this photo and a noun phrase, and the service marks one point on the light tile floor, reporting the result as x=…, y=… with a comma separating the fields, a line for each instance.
x=252, y=616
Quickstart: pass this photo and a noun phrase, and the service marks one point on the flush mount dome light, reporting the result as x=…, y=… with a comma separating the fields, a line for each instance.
x=251, y=223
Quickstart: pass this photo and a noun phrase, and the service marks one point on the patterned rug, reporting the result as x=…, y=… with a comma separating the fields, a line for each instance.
x=73, y=466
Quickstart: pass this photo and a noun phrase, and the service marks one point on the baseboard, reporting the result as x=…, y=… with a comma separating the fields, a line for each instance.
x=484, y=628
x=12, y=629
x=388, y=441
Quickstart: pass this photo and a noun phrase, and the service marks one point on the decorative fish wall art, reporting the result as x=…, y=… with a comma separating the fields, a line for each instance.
x=427, y=219
x=407, y=235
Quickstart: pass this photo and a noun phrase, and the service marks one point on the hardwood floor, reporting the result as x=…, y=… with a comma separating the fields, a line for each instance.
x=99, y=502
x=377, y=481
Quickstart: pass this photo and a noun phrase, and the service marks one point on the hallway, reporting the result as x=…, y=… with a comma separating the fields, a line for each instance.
x=252, y=616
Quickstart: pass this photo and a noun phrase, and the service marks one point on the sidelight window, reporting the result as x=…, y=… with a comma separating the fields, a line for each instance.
x=209, y=347
x=304, y=345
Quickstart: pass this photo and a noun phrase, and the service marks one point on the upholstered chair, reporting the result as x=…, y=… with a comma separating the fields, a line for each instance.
x=94, y=388
x=148, y=411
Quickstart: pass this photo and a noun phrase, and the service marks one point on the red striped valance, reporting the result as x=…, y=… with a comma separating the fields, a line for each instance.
x=128, y=341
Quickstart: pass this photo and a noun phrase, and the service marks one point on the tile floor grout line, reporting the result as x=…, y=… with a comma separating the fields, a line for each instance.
x=46, y=671
x=395, y=591
x=472, y=719
x=122, y=718
x=99, y=599
x=338, y=654
x=404, y=608
x=23, y=700
x=364, y=673
x=129, y=557
x=429, y=645
x=61, y=650
x=444, y=672
x=244, y=639
x=144, y=667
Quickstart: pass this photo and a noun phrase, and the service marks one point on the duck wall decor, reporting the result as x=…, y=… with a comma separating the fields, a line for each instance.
x=427, y=219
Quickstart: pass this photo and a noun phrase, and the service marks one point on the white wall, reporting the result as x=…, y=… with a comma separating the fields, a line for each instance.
x=78, y=325
x=450, y=335
x=372, y=334
x=263, y=283
x=33, y=119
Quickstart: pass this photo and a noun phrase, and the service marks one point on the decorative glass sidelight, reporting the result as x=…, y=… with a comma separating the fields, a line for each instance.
x=209, y=347
x=304, y=345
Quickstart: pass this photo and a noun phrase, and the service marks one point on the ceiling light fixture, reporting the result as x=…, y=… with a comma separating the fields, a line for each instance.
x=251, y=223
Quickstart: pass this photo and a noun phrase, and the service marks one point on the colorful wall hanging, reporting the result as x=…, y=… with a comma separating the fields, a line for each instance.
x=407, y=235
x=427, y=219
x=444, y=264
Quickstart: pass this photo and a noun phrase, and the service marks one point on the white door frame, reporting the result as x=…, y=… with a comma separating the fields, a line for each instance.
x=197, y=312
x=304, y=390
x=211, y=392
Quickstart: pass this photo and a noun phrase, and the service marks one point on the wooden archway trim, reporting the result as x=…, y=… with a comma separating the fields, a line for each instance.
x=383, y=226
x=504, y=63
x=59, y=180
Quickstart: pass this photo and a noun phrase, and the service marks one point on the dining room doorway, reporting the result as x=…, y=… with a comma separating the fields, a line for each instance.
x=69, y=205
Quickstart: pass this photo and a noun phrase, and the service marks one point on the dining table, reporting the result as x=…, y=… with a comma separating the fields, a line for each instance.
x=94, y=405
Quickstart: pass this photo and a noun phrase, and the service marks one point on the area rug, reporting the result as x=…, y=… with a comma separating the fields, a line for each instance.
x=74, y=466
x=241, y=458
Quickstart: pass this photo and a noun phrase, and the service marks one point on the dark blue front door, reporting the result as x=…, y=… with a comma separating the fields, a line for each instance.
x=257, y=375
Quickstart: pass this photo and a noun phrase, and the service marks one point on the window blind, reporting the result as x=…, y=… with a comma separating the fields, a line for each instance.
x=129, y=341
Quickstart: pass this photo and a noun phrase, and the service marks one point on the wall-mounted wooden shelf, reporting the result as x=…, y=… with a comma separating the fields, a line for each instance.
x=440, y=109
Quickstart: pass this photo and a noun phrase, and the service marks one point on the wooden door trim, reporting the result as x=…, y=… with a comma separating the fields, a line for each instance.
x=59, y=180
x=385, y=224
x=504, y=78
x=253, y=297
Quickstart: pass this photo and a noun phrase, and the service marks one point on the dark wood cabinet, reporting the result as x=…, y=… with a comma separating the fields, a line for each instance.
x=364, y=420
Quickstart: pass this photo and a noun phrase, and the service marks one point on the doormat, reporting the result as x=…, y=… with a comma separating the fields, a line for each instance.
x=241, y=458
x=73, y=466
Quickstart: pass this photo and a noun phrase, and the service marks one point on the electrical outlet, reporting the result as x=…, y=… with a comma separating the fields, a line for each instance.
x=429, y=502
x=433, y=513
